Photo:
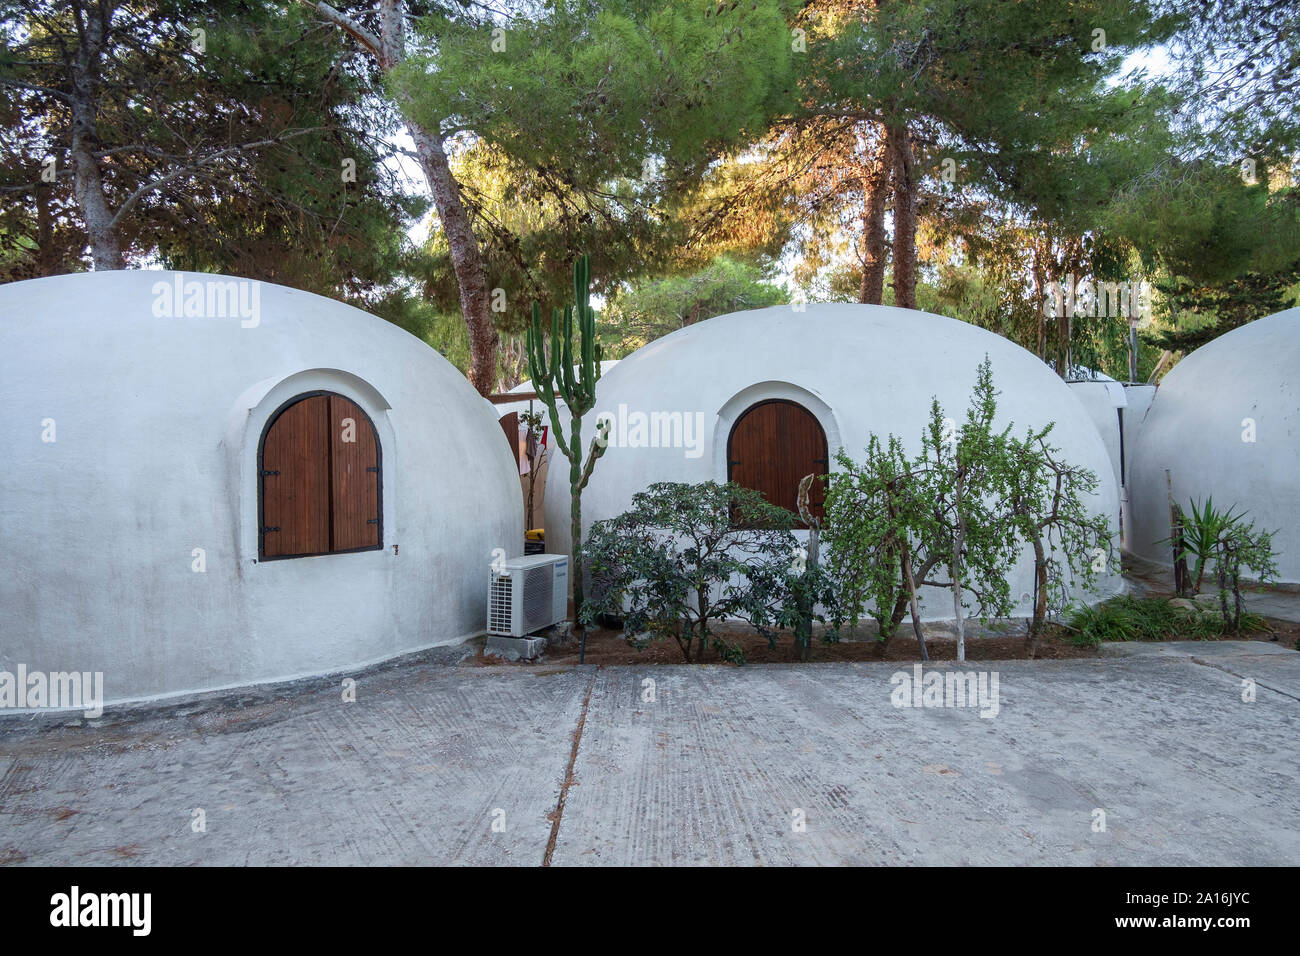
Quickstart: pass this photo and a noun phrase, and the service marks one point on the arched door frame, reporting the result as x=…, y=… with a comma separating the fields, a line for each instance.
x=247, y=424
x=760, y=392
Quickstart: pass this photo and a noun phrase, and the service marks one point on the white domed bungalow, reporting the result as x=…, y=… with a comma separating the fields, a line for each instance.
x=1225, y=423
x=767, y=396
x=213, y=482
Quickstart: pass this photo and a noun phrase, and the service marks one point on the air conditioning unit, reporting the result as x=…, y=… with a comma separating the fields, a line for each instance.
x=528, y=594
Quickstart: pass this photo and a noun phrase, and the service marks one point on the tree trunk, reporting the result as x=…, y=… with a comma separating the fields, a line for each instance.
x=875, y=181
x=916, y=608
x=47, y=257
x=87, y=177
x=1040, y=291
x=1063, y=344
x=466, y=259
x=905, y=188
x=956, y=572
x=1040, y=600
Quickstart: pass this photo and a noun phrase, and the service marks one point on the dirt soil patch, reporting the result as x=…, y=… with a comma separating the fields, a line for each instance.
x=607, y=646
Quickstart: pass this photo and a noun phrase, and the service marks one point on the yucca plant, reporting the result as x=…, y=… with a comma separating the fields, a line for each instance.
x=1203, y=530
x=1233, y=544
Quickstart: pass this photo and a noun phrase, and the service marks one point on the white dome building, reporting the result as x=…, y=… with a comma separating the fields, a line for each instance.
x=213, y=482
x=1225, y=423
x=766, y=396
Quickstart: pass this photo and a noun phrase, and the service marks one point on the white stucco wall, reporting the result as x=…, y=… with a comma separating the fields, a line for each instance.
x=1102, y=399
x=1195, y=428
x=858, y=369
x=157, y=422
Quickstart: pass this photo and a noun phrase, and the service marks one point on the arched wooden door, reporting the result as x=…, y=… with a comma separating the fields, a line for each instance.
x=319, y=479
x=772, y=446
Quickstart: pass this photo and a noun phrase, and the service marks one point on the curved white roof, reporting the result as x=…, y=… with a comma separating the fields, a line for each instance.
x=1225, y=423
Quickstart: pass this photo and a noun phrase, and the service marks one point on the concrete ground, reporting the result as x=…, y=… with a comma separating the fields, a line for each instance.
x=798, y=764
x=1280, y=601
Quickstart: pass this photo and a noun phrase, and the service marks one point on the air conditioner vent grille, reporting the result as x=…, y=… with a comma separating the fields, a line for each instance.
x=537, y=598
x=499, y=604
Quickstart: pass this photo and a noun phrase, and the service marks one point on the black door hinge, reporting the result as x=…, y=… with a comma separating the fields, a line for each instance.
x=372, y=521
x=267, y=527
x=374, y=468
x=264, y=473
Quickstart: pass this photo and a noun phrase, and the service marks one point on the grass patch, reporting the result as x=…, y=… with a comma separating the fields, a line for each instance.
x=1132, y=618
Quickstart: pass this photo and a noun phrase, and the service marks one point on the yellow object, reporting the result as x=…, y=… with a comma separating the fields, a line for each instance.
x=537, y=534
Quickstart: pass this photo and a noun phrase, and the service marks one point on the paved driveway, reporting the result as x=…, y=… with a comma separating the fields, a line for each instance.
x=763, y=764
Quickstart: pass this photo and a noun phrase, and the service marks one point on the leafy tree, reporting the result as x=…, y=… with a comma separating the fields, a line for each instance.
x=646, y=309
x=1011, y=100
x=636, y=95
x=1043, y=499
x=211, y=136
x=962, y=475
x=875, y=514
x=1240, y=62
x=894, y=523
x=685, y=557
x=381, y=30
x=962, y=506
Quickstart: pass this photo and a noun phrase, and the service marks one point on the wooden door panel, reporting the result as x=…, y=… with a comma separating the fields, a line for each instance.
x=772, y=446
x=354, y=453
x=295, y=481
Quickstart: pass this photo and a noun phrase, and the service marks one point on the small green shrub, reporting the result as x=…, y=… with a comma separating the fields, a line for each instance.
x=686, y=557
x=1131, y=618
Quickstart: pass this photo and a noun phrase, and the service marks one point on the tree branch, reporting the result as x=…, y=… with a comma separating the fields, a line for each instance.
x=348, y=25
x=195, y=166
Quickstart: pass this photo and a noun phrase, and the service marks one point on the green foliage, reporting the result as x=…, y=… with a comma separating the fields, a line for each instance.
x=618, y=82
x=1232, y=544
x=1044, y=500
x=873, y=512
x=684, y=557
x=963, y=476
x=638, y=98
x=646, y=309
x=1239, y=60
x=1220, y=246
x=1203, y=528
x=1242, y=547
x=965, y=504
x=229, y=159
x=1131, y=618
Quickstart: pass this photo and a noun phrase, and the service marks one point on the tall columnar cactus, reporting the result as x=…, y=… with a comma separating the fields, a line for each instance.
x=561, y=378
